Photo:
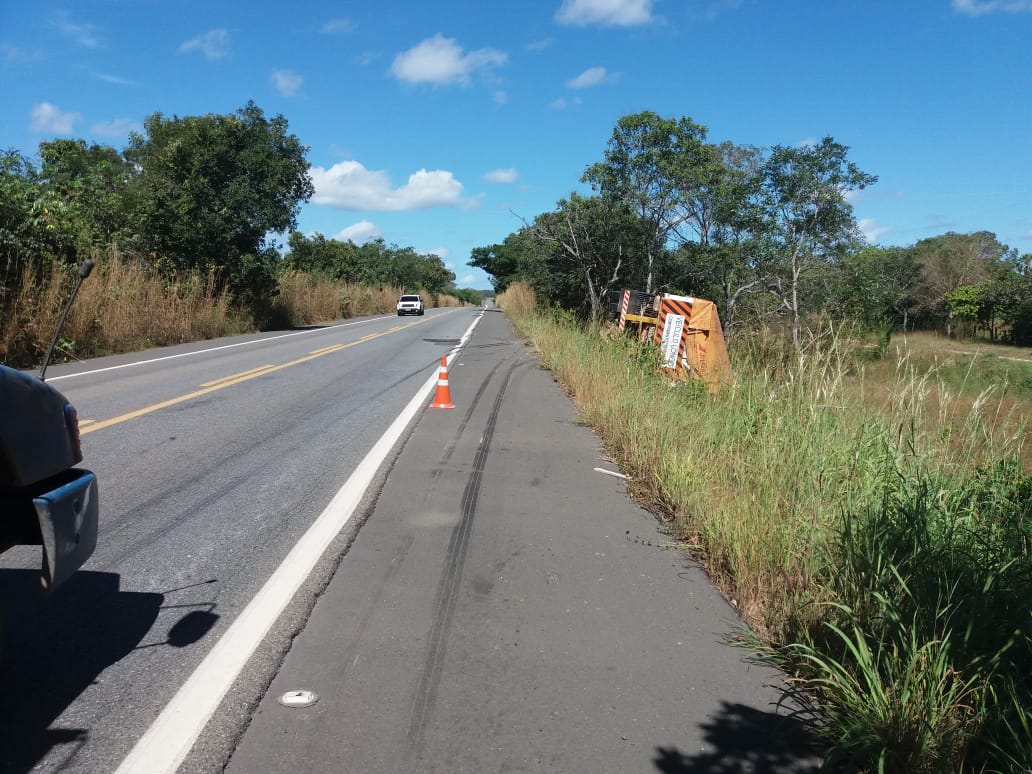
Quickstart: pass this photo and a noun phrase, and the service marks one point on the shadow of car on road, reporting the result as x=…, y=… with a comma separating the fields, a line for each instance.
x=54, y=649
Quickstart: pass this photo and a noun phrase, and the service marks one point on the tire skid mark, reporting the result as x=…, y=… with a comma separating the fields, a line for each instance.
x=447, y=590
x=350, y=651
x=449, y=450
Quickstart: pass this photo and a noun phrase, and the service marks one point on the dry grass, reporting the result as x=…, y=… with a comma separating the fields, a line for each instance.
x=963, y=394
x=121, y=307
x=306, y=300
x=517, y=300
x=443, y=300
x=125, y=307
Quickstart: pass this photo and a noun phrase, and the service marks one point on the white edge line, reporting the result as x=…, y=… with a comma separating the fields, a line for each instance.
x=610, y=473
x=168, y=741
x=215, y=349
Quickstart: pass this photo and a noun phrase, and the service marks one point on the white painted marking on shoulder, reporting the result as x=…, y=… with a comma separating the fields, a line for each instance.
x=610, y=473
x=165, y=745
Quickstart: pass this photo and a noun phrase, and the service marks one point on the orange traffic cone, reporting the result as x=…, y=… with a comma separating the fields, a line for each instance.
x=443, y=397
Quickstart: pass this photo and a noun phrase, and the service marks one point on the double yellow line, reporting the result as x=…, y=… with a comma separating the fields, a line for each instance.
x=89, y=425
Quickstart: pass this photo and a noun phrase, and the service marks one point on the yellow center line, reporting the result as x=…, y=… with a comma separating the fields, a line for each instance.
x=229, y=381
x=86, y=422
x=255, y=371
x=325, y=350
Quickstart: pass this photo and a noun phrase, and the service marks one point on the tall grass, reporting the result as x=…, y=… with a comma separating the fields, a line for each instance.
x=875, y=535
x=126, y=306
x=304, y=299
x=123, y=306
x=922, y=661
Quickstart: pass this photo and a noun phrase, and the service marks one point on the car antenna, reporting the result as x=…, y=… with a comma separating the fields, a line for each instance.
x=84, y=272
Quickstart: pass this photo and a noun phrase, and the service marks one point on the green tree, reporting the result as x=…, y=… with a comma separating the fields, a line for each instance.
x=878, y=286
x=520, y=257
x=594, y=242
x=1016, y=306
x=723, y=212
x=967, y=303
x=810, y=223
x=212, y=188
x=323, y=257
x=433, y=275
x=952, y=261
x=374, y=263
x=649, y=165
x=34, y=226
x=91, y=183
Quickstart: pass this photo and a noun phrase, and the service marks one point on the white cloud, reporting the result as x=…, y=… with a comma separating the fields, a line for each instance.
x=540, y=45
x=83, y=34
x=287, y=82
x=214, y=44
x=501, y=176
x=120, y=127
x=15, y=54
x=117, y=80
x=606, y=13
x=335, y=26
x=441, y=60
x=859, y=196
x=50, y=119
x=717, y=7
x=468, y=280
x=593, y=76
x=562, y=103
x=981, y=7
x=871, y=230
x=350, y=186
x=500, y=98
x=360, y=233
x=440, y=252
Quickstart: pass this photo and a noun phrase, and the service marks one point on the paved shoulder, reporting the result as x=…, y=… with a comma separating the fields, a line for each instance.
x=495, y=613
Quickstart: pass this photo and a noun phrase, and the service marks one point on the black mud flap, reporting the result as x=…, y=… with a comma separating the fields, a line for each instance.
x=68, y=526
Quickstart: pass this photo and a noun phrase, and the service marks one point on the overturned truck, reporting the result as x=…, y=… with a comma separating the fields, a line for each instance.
x=687, y=331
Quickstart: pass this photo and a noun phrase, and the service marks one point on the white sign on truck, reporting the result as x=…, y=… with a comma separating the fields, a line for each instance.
x=671, y=343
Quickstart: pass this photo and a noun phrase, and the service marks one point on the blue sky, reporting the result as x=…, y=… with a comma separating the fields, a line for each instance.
x=439, y=125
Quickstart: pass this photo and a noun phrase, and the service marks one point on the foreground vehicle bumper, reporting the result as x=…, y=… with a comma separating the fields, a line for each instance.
x=67, y=516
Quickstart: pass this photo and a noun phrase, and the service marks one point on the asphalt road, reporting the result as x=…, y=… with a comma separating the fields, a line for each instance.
x=507, y=608
x=497, y=603
x=213, y=458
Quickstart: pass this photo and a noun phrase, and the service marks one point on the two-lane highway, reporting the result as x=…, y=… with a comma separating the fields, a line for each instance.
x=213, y=459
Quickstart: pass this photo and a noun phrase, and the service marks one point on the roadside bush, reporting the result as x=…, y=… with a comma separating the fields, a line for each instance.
x=923, y=660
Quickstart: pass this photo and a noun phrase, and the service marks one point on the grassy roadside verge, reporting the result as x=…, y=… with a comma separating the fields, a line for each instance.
x=125, y=307
x=876, y=536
